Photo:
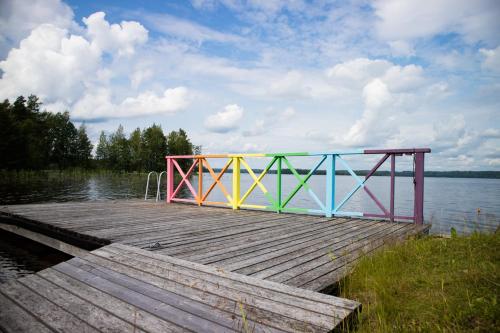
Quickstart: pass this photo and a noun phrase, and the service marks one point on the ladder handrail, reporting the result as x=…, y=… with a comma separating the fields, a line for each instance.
x=158, y=188
x=147, y=184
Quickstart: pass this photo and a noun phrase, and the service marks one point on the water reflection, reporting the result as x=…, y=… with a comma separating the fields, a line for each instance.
x=20, y=256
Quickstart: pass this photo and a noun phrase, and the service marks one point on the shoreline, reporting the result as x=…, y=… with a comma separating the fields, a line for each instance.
x=427, y=174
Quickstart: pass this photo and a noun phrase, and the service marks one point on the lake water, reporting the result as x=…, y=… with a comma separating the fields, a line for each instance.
x=449, y=203
x=20, y=256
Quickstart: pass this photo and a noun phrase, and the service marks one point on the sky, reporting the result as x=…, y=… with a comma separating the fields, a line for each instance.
x=268, y=75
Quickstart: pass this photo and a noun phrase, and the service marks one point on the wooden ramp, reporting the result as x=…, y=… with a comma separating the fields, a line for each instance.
x=120, y=288
x=310, y=252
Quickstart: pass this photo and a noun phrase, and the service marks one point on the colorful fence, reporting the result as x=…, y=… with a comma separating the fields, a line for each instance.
x=279, y=202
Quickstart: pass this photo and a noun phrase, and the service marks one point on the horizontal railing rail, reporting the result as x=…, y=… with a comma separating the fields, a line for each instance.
x=280, y=201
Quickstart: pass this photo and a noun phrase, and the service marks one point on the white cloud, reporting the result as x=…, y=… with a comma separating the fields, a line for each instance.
x=491, y=59
x=49, y=63
x=289, y=85
x=268, y=120
x=121, y=38
x=376, y=95
x=321, y=59
x=388, y=91
x=185, y=29
x=408, y=19
x=225, y=121
x=401, y=48
x=98, y=104
x=147, y=103
x=404, y=78
x=359, y=71
x=203, y=4
x=68, y=71
x=450, y=133
x=455, y=60
x=94, y=104
x=57, y=65
x=139, y=76
x=249, y=147
x=491, y=133
x=288, y=113
x=494, y=162
x=259, y=127
x=19, y=18
x=368, y=128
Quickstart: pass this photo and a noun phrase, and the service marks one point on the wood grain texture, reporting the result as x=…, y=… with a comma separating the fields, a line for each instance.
x=288, y=248
x=119, y=288
x=178, y=267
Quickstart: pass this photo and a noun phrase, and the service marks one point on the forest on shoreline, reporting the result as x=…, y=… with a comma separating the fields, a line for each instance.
x=32, y=139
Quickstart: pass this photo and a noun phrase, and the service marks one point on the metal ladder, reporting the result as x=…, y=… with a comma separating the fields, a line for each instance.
x=158, y=182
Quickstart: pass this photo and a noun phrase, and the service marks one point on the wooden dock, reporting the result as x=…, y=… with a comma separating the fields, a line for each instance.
x=176, y=267
x=119, y=288
x=305, y=251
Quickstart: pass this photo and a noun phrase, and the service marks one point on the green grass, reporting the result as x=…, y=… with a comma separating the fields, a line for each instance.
x=429, y=285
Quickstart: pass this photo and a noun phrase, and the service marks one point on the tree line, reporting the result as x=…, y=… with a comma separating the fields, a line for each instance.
x=38, y=140
x=143, y=150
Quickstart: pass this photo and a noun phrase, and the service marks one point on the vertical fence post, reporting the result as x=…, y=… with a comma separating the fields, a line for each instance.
x=278, y=185
x=330, y=185
x=170, y=179
x=200, y=180
x=393, y=183
x=236, y=182
x=418, y=211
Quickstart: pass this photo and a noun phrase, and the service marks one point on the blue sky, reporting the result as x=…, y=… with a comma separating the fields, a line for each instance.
x=261, y=76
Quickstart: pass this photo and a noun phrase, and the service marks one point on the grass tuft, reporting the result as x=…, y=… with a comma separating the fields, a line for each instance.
x=429, y=285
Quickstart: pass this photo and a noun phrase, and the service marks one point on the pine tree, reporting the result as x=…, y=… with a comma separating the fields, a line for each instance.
x=178, y=143
x=102, y=151
x=154, y=148
x=83, y=148
x=135, y=144
x=119, y=153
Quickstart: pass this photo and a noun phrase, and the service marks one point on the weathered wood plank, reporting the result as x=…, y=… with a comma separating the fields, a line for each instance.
x=84, y=310
x=236, y=235
x=252, y=284
x=127, y=312
x=224, y=295
x=327, y=275
x=15, y=319
x=295, y=249
x=154, y=306
x=223, y=311
x=47, y=312
x=303, y=260
x=274, y=239
x=259, y=243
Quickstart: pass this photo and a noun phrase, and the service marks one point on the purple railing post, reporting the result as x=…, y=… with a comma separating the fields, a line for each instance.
x=393, y=181
x=170, y=179
x=330, y=185
x=418, y=211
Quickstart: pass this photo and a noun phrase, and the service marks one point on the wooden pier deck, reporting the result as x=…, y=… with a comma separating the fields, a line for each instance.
x=119, y=288
x=309, y=252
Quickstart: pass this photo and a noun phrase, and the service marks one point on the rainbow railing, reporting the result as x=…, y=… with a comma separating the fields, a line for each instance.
x=279, y=202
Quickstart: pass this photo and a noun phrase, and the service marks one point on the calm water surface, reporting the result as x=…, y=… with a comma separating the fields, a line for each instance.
x=20, y=256
x=461, y=203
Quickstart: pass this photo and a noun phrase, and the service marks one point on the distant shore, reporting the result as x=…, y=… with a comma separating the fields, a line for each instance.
x=435, y=174
x=440, y=174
